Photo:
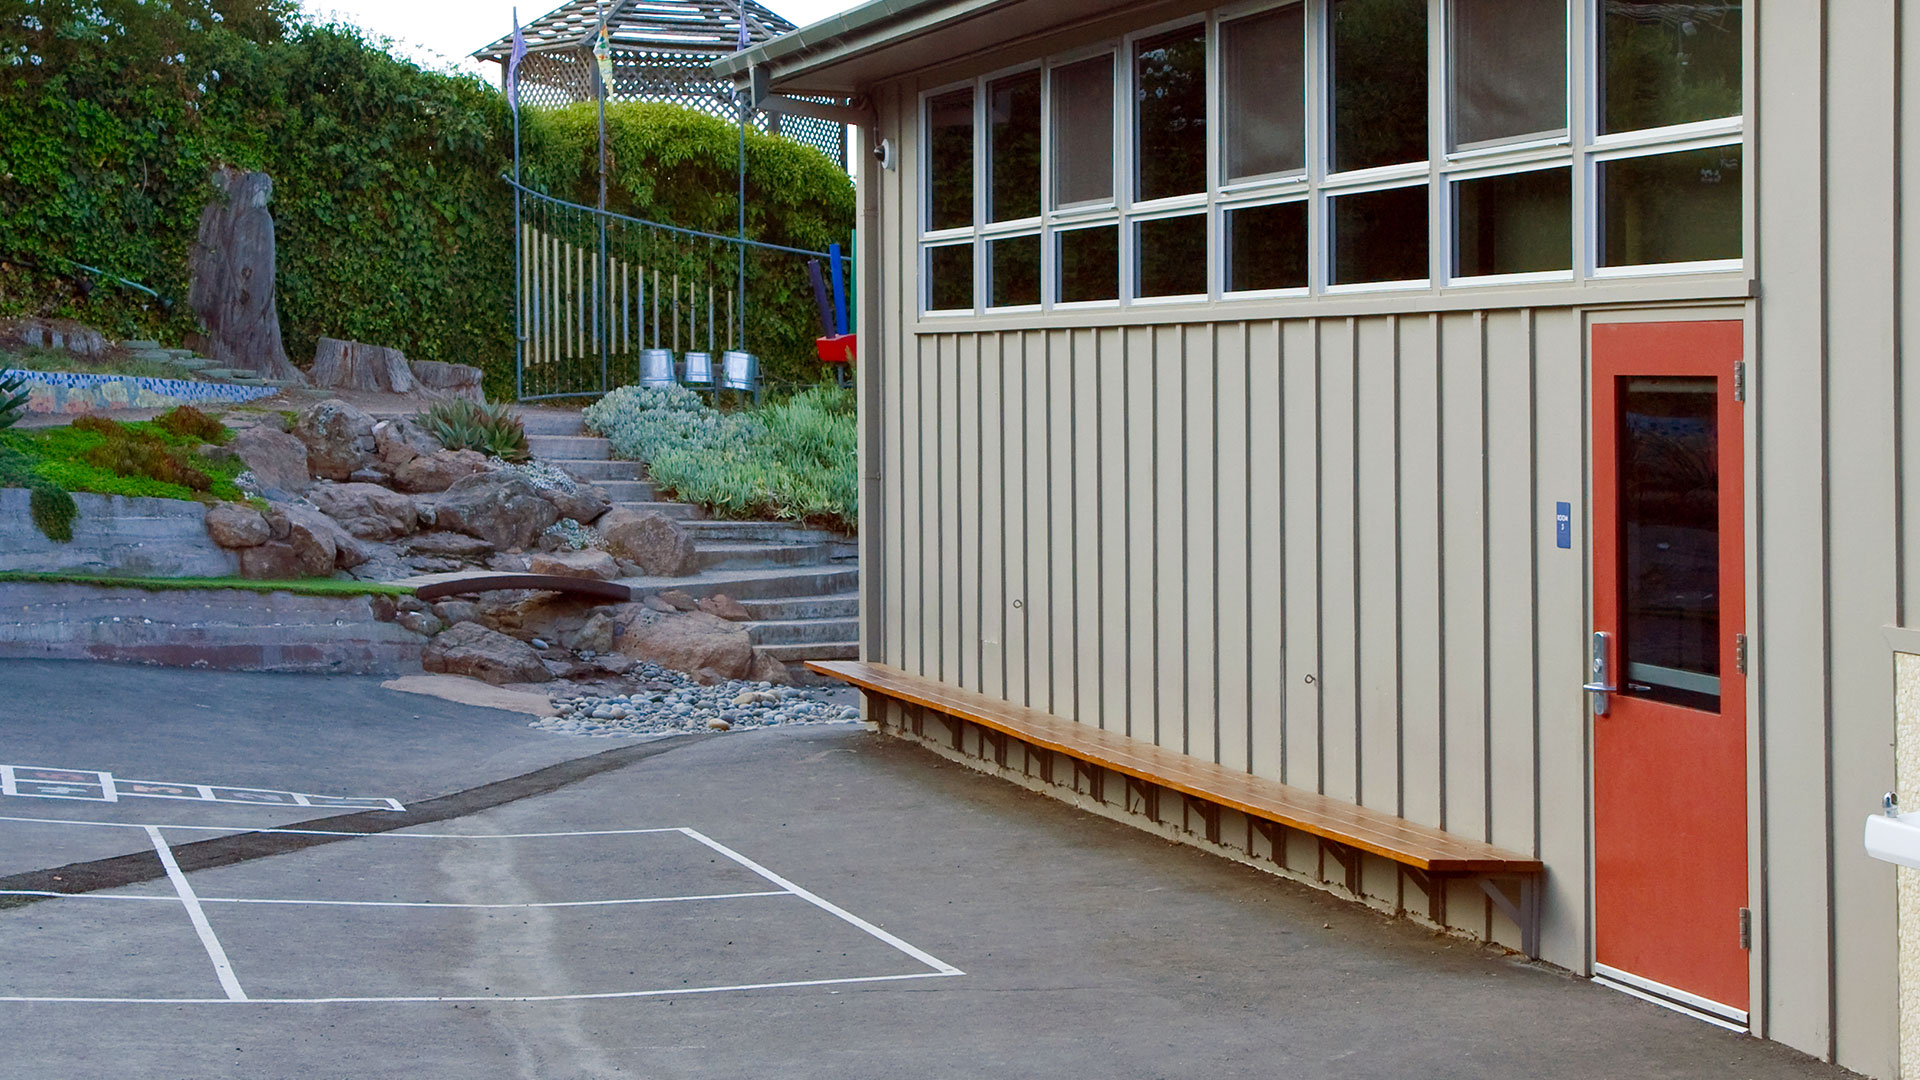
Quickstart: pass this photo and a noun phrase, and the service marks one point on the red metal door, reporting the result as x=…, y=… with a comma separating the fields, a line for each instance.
x=1670, y=772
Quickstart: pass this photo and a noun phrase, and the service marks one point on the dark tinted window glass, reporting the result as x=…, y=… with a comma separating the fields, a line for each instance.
x=1083, y=132
x=1518, y=224
x=1670, y=208
x=1379, y=55
x=950, y=160
x=950, y=278
x=1669, y=63
x=1170, y=74
x=1090, y=264
x=1015, y=265
x=1173, y=256
x=1670, y=533
x=1509, y=69
x=1262, y=93
x=1380, y=236
x=1267, y=247
x=1013, y=153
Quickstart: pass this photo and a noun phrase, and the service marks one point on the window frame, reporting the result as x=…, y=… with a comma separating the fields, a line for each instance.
x=1579, y=148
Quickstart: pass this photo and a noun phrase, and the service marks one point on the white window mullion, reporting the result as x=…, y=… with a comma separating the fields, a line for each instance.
x=1583, y=85
x=1439, y=135
x=1319, y=147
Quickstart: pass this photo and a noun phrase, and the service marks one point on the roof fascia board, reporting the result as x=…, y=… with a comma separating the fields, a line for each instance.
x=867, y=27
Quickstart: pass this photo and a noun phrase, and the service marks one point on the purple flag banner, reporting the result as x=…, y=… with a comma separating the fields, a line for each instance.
x=513, y=63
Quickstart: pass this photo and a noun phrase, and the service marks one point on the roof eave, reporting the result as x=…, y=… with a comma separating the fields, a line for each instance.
x=867, y=28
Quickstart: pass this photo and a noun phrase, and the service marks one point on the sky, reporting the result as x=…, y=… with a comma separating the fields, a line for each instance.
x=439, y=34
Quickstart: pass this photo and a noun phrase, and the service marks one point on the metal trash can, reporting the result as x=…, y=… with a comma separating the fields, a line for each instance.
x=656, y=367
x=699, y=369
x=740, y=371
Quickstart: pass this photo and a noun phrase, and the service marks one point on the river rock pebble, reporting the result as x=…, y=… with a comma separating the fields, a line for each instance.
x=668, y=702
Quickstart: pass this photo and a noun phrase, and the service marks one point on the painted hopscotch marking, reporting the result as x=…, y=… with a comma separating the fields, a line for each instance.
x=229, y=982
x=40, y=782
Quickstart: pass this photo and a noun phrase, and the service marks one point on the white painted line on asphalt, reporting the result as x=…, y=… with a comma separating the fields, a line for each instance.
x=239, y=829
x=504, y=999
x=934, y=962
x=84, y=896
x=111, y=790
x=542, y=904
x=6, y=780
x=215, y=953
x=107, y=787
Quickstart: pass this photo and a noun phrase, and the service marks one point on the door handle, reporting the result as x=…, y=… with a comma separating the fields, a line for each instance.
x=1600, y=668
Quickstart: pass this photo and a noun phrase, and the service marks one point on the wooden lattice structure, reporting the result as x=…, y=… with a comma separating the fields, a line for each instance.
x=661, y=50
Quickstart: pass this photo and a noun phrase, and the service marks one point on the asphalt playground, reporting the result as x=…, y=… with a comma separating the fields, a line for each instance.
x=211, y=875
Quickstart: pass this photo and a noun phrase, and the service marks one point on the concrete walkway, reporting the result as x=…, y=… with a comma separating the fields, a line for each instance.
x=1085, y=947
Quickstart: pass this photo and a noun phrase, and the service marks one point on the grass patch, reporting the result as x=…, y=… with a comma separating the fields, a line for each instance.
x=312, y=587
x=143, y=460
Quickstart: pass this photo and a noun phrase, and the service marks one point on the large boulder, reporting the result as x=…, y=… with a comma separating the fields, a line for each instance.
x=368, y=511
x=339, y=439
x=696, y=643
x=400, y=440
x=503, y=508
x=578, y=500
x=439, y=470
x=277, y=460
x=488, y=655
x=725, y=607
x=447, y=545
x=594, y=565
x=555, y=618
x=449, y=380
x=320, y=537
x=654, y=542
x=234, y=526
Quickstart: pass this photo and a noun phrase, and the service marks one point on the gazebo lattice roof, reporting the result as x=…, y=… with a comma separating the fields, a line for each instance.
x=661, y=52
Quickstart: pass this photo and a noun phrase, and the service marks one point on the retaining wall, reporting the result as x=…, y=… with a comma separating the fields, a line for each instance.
x=75, y=392
x=218, y=629
x=115, y=535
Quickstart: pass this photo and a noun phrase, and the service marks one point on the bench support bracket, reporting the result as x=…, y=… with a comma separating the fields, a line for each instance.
x=1096, y=779
x=1349, y=860
x=1149, y=796
x=1524, y=910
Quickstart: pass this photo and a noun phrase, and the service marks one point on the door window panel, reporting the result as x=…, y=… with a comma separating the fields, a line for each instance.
x=1267, y=247
x=950, y=161
x=1670, y=540
x=1013, y=148
x=1665, y=63
x=950, y=277
x=1014, y=264
x=1173, y=256
x=1508, y=70
x=1263, y=93
x=1083, y=132
x=1378, y=50
x=1380, y=236
x=1170, y=76
x=1669, y=208
x=1090, y=264
x=1520, y=223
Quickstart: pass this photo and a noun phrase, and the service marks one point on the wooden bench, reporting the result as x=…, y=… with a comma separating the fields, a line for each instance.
x=1343, y=830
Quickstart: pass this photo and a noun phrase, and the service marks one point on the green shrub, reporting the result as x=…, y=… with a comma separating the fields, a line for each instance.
x=141, y=454
x=188, y=422
x=796, y=460
x=13, y=400
x=461, y=424
x=65, y=458
x=53, y=512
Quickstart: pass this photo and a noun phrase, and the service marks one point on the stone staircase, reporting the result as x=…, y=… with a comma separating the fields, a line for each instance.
x=801, y=584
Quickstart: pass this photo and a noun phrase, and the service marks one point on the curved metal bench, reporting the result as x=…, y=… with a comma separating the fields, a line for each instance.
x=610, y=591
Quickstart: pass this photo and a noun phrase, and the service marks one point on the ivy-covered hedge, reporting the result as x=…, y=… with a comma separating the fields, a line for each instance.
x=392, y=222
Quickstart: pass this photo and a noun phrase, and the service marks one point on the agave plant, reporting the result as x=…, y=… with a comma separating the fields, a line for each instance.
x=13, y=399
x=461, y=424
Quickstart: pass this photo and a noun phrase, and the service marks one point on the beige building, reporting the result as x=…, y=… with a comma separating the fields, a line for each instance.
x=1331, y=389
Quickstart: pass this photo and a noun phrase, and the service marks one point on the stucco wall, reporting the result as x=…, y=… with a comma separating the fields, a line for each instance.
x=115, y=535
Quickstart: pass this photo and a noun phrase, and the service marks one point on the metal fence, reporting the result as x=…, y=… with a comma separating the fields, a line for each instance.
x=599, y=297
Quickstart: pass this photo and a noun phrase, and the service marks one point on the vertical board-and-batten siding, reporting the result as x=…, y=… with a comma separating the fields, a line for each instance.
x=1309, y=549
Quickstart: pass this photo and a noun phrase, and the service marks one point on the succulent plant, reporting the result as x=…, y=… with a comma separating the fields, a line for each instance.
x=461, y=424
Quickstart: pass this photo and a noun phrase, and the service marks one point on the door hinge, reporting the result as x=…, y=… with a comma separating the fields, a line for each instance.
x=1740, y=653
x=1739, y=380
x=1746, y=928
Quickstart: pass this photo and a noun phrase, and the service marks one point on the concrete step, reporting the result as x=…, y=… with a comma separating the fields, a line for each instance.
x=551, y=422
x=825, y=650
x=685, y=513
x=750, y=556
x=749, y=587
x=761, y=532
x=569, y=447
x=803, y=631
x=140, y=345
x=597, y=470
x=626, y=490
x=832, y=606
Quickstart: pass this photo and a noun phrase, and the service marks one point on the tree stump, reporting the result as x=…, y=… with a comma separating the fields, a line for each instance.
x=351, y=365
x=232, y=274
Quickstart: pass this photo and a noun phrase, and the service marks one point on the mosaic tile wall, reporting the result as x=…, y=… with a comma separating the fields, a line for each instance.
x=71, y=392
